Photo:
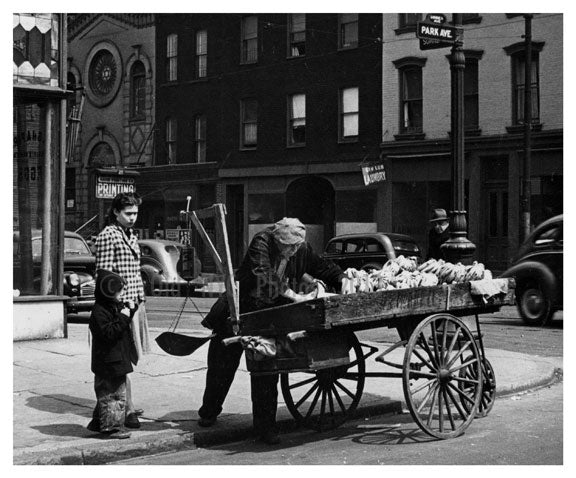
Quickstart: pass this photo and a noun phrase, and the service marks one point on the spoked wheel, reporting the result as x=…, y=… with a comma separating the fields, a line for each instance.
x=432, y=380
x=324, y=399
x=488, y=386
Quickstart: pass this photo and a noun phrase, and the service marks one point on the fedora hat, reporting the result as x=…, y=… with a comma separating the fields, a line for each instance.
x=439, y=215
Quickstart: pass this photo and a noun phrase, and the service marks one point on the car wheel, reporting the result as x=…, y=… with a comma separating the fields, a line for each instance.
x=371, y=267
x=147, y=284
x=534, y=305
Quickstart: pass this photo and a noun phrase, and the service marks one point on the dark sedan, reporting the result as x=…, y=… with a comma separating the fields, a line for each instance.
x=79, y=265
x=538, y=269
x=167, y=267
x=369, y=250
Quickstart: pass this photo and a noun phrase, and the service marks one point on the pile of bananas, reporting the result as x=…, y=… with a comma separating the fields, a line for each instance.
x=404, y=272
x=449, y=273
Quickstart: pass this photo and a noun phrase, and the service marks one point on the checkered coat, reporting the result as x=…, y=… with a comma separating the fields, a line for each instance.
x=118, y=253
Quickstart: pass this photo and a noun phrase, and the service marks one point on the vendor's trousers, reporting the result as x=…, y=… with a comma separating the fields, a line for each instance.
x=223, y=361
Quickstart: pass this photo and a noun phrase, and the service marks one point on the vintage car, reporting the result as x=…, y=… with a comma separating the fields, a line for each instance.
x=167, y=267
x=538, y=270
x=79, y=265
x=369, y=250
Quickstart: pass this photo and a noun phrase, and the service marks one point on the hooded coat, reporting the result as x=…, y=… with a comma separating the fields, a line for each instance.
x=113, y=349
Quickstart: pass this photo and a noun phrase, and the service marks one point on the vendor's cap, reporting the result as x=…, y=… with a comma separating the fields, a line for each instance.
x=439, y=215
x=289, y=231
x=108, y=283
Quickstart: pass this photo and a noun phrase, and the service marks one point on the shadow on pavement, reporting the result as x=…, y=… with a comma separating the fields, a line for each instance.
x=60, y=403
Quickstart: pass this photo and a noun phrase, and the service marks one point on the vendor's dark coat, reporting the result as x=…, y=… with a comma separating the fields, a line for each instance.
x=260, y=285
x=113, y=350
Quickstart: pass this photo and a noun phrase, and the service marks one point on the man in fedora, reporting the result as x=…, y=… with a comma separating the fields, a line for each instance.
x=438, y=234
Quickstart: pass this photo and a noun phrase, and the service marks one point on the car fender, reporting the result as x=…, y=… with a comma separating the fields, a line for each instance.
x=534, y=270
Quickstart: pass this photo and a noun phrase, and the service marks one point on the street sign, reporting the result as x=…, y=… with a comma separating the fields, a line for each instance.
x=436, y=18
x=108, y=186
x=374, y=173
x=436, y=31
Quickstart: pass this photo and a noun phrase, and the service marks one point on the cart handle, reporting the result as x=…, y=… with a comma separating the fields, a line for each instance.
x=300, y=334
x=232, y=340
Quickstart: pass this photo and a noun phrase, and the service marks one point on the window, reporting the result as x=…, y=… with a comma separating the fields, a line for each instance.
x=348, y=30
x=249, y=127
x=200, y=139
x=471, y=94
x=201, y=53
x=519, y=67
x=297, y=119
x=137, y=90
x=171, y=140
x=468, y=18
x=172, y=57
x=411, y=100
x=249, y=39
x=296, y=34
x=349, y=114
x=70, y=190
x=408, y=21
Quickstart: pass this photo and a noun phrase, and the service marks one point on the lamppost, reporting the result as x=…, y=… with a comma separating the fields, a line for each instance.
x=458, y=248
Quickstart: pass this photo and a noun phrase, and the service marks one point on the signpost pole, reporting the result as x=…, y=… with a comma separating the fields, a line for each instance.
x=526, y=184
x=458, y=248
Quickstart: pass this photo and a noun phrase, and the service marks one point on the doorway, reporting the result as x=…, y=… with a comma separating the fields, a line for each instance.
x=311, y=199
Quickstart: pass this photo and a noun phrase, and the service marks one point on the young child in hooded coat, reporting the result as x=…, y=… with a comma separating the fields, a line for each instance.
x=113, y=353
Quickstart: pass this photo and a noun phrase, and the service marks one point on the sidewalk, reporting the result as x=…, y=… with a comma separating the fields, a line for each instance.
x=54, y=397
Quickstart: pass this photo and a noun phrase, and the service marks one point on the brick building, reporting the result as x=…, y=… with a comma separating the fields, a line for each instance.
x=111, y=61
x=272, y=114
x=416, y=127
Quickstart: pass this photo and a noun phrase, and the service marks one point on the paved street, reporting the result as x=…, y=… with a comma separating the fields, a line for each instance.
x=524, y=429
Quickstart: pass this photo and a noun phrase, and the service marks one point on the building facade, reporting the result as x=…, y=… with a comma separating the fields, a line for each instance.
x=416, y=128
x=111, y=64
x=273, y=115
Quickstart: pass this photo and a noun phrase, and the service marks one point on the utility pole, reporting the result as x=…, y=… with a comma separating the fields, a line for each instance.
x=526, y=183
x=458, y=248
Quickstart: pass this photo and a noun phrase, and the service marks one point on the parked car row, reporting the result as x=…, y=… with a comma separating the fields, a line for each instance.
x=166, y=268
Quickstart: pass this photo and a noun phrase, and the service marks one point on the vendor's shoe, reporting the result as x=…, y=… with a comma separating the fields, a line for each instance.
x=94, y=425
x=206, y=422
x=132, y=421
x=117, y=434
x=270, y=438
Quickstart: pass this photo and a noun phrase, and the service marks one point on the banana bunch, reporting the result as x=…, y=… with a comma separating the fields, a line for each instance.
x=403, y=273
x=406, y=263
x=474, y=272
x=432, y=266
x=428, y=279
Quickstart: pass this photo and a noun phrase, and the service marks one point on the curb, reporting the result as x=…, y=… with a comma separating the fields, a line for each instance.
x=109, y=452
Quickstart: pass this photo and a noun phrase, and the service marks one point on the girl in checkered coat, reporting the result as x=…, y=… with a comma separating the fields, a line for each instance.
x=117, y=250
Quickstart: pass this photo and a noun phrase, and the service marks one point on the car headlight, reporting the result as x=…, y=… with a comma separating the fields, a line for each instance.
x=74, y=280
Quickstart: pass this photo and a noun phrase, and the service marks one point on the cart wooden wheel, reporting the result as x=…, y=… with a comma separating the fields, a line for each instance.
x=431, y=376
x=488, y=386
x=324, y=399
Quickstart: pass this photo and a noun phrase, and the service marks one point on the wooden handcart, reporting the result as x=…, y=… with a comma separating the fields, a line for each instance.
x=447, y=379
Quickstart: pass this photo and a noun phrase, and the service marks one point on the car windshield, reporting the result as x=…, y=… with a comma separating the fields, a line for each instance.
x=73, y=245
x=402, y=245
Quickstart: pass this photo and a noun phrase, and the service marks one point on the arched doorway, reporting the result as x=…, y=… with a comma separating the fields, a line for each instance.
x=311, y=199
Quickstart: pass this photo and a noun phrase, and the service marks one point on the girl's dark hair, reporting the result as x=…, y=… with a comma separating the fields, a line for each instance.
x=121, y=201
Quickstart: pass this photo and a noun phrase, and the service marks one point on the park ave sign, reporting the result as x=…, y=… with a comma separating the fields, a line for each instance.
x=435, y=31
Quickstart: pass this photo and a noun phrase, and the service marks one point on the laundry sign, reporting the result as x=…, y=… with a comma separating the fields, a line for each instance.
x=374, y=173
